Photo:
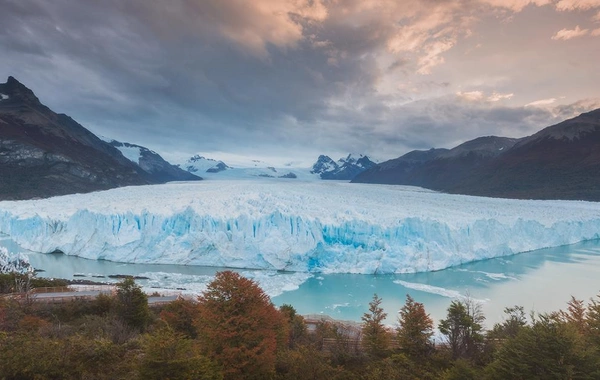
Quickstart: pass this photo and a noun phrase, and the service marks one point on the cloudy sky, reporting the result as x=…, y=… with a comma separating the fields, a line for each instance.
x=286, y=80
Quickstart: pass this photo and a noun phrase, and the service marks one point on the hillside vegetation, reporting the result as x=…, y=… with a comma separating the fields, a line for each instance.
x=233, y=331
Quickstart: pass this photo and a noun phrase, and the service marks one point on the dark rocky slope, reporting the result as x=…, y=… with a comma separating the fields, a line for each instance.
x=43, y=153
x=559, y=162
x=438, y=168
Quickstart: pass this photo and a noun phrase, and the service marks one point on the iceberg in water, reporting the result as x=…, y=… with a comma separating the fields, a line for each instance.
x=301, y=226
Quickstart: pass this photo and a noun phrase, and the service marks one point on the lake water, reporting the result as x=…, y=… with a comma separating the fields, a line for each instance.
x=542, y=280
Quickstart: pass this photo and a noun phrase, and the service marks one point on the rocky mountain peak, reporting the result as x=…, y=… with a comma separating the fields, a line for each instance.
x=45, y=153
x=344, y=169
x=324, y=164
x=201, y=164
x=18, y=91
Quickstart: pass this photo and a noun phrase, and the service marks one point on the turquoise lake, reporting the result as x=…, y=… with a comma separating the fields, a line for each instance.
x=542, y=281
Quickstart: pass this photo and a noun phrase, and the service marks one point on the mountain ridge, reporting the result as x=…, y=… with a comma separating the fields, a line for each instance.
x=561, y=161
x=152, y=163
x=44, y=153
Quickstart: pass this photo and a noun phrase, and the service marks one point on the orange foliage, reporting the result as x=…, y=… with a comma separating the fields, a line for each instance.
x=239, y=327
x=181, y=315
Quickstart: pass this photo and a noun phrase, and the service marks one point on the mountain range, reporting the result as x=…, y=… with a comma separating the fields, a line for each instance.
x=201, y=164
x=43, y=153
x=559, y=162
x=344, y=169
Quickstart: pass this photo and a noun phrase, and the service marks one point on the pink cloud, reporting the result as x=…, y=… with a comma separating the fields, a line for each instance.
x=251, y=25
x=541, y=103
x=571, y=5
x=478, y=96
x=471, y=95
x=567, y=34
x=494, y=97
x=271, y=21
x=515, y=5
x=422, y=30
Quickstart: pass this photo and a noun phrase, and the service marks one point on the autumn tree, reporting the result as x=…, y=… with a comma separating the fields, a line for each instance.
x=376, y=339
x=415, y=328
x=181, y=315
x=239, y=326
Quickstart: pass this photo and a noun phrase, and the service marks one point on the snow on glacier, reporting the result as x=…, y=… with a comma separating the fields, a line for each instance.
x=303, y=226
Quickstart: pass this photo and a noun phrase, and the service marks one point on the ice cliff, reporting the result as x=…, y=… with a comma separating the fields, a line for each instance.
x=301, y=226
x=10, y=262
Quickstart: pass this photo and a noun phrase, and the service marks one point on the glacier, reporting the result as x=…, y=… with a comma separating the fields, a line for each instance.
x=300, y=226
x=11, y=262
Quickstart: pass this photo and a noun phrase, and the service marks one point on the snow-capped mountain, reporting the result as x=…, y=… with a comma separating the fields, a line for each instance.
x=346, y=168
x=324, y=164
x=200, y=164
x=151, y=162
x=248, y=169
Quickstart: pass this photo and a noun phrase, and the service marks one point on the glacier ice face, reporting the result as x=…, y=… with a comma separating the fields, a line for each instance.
x=301, y=226
x=10, y=262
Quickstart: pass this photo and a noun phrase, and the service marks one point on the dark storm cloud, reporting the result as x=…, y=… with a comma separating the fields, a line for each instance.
x=268, y=76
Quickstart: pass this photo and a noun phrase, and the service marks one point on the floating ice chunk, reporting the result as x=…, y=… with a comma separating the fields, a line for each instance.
x=430, y=289
x=276, y=283
x=436, y=290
